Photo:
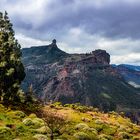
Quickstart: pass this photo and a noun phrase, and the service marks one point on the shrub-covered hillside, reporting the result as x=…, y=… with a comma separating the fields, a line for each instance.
x=82, y=123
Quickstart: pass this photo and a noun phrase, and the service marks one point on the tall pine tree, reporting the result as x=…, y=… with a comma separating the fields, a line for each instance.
x=11, y=67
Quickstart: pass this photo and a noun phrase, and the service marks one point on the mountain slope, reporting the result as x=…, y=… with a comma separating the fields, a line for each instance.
x=70, y=78
x=130, y=73
x=82, y=123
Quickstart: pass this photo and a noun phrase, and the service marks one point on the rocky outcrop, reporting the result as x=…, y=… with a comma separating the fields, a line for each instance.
x=101, y=56
x=70, y=78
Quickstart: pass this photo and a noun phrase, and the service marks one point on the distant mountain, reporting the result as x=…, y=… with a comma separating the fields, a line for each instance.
x=131, y=67
x=130, y=73
x=85, y=78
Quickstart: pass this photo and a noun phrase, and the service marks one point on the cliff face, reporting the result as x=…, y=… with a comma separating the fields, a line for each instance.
x=71, y=78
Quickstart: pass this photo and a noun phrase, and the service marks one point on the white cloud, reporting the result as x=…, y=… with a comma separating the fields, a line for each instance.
x=26, y=42
x=121, y=50
x=29, y=11
x=132, y=58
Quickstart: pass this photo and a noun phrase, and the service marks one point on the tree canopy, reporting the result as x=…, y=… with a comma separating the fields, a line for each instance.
x=11, y=67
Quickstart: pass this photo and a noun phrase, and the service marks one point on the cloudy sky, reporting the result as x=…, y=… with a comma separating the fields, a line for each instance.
x=79, y=25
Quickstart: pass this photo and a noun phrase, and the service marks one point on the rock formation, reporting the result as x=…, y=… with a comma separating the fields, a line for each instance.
x=70, y=78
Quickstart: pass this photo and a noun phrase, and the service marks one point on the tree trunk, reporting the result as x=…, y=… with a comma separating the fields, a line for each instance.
x=52, y=137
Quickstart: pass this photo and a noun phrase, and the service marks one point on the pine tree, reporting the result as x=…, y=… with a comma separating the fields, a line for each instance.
x=11, y=67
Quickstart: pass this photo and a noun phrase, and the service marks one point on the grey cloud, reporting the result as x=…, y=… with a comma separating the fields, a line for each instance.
x=113, y=19
x=117, y=21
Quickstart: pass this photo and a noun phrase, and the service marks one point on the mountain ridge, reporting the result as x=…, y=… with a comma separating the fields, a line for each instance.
x=130, y=73
x=70, y=78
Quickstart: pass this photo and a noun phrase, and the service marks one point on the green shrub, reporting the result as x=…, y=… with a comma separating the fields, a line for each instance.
x=57, y=104
x=121, y=128
x=5, y=118
x=33, y=123
x=124, y=135
x=38, y=122
x=28, y=122
x=82, y=136
x=2, y=108
x=85, y=128
x=136, y=138
x=21, y=129
x=67, y=105
x=81, y=126
x=32, y=116
x=98, y=127
x=43, y=130
x=92, y=130
x=16, y=114
x=40, y=137
x=82, y=109
x=136, y=129
x=65, y=137
x=95, y=109
x=99, y=121
x=114, y=113
x=109, y=130
x=105, y=137
x=79, y=107
x=5, y=132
